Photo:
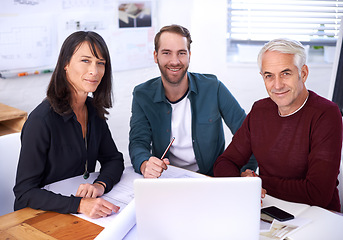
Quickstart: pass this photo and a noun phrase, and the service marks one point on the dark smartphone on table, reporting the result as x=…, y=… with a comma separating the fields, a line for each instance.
x=277, y=213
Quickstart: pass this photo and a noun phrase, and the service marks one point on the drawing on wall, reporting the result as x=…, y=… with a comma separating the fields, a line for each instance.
x=26, y=42
x=32, y=32
x=132, y=15
x=27, y=2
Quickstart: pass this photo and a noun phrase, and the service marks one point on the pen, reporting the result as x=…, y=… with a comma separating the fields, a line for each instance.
x=22, y=74
x=46, y=71
x=8, y=74
x=171, y=142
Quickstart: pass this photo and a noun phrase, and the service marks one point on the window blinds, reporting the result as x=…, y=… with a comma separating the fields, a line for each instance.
x=312, y=21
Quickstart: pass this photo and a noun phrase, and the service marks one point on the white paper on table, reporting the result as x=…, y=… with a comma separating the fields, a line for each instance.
x=281, y=230
x=120, y=195
x=121, y=225
x=265, y=226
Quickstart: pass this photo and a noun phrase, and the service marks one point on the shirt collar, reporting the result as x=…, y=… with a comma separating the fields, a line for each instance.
x=297, y=109
x=68, y=116
x=160, y=95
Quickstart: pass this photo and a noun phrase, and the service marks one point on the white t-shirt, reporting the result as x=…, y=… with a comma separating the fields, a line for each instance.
x=181, y=152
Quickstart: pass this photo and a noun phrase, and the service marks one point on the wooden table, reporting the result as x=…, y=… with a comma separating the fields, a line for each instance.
x=33, y=224
x=11, y=119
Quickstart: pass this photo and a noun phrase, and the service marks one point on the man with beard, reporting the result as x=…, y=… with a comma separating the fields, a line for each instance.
x=180, y=104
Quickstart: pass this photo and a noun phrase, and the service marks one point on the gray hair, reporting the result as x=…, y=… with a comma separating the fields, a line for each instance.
x=286, y=46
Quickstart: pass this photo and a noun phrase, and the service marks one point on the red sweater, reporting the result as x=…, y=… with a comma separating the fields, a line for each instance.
x=298, y=156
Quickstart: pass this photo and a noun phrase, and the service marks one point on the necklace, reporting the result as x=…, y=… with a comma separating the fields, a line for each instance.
x=86, y=173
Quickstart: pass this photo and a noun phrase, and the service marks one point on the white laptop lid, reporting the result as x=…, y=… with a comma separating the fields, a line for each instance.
x=198, y=208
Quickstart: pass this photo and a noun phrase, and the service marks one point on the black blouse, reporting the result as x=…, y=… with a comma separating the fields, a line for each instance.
x=53, y=149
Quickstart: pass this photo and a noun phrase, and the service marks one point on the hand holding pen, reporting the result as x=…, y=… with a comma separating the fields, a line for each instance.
x=154, y=167
x=248, y=173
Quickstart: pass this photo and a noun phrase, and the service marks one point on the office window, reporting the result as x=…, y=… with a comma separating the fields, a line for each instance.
x=313, y=22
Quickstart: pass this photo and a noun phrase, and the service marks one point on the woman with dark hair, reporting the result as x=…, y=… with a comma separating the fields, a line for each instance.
x=67, y=133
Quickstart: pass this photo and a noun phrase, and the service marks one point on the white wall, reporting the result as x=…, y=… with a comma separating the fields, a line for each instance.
x=206, y=21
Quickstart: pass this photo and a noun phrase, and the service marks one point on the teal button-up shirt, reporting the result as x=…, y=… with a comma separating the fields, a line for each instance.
x=150, y=124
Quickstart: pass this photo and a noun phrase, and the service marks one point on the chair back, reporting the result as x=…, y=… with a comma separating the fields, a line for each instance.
x=9, y=156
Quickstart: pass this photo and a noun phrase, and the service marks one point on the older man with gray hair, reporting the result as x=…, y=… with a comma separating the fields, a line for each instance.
x=295, y=135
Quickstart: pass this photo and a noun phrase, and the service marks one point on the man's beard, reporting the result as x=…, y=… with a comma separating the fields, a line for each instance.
x=164, y=74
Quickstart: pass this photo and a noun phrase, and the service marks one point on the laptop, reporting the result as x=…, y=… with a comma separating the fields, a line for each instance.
x=198, y=208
